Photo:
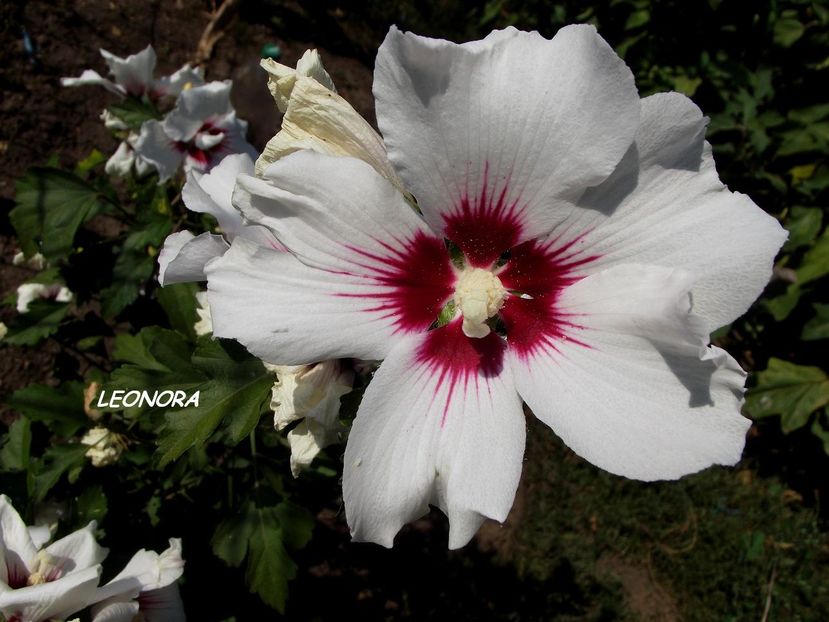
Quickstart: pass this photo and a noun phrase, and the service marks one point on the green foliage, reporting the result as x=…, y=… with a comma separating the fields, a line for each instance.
x=42, y=320
x=262, y=534
x=792, y=391
x=60, y=409
x=51, y=205
x=14, y=454
x=133, y=112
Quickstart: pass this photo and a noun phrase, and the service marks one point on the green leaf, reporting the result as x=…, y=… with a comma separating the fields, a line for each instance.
x=90, y=505
x=95, y=158
x=51, y=205
x=818, y=327
x=61, y=408
x=230, y=540
x=269, y=566
x=41, y=320
x=792, y=391
x=134, y=112
x=240, y=402
x=637, y=19
x=297, y=524
x=787, y=30
x=820, y=430
x=803, y=226
x=815, y=263
x=179, y=303
x=56, y=461
x=14, y=455
x=781, y=306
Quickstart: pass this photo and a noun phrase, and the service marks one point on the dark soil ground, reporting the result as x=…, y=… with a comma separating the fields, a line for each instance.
x=572, y=558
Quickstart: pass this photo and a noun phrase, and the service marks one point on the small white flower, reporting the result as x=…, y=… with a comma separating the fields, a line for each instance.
x=28, y=292
x=105, y=446
x=44, y=584
x=35, y=262
x=3, y=329
x=199, y=132
x=312, y=393
x=145, y=589
x=134, y=76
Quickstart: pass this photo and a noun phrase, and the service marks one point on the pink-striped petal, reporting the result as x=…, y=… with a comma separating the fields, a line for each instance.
x=496, y=138
x=440, y=423
x=633, y=388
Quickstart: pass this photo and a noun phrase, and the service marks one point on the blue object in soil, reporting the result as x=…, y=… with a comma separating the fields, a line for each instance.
x=271, y=50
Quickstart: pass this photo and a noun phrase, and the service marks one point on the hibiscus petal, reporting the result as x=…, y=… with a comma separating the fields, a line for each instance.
x=491, y=136
x=211, y=193
x=54, y=600
x=288, y=313
x=162, y=605
x=196, y=106
x=158, y=149
x=16, y=543
x=339, y=215
x=440, y=423
x=184, y=78
x=322, y=121
x=77, y=551
x=115, y=611
x=90, y=77
x=135, y=72
x=183, y=256
x=665, y=205
x=629, y=384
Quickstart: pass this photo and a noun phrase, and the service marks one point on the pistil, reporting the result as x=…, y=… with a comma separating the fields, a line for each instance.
x=479, y=295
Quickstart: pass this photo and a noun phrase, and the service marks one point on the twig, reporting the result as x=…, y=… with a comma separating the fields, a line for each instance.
x=211, y=34
x=769, y=589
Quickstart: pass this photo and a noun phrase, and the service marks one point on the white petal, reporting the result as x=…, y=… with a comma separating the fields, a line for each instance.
x=334, y=213
x=282, y=79
x=17, y=546
x=508, y=127
x=29, y=292
x=90, y=77
x=55, y=599
x=307, y=439
x=312, y=391
x=665, y=205
x=77, y=551
x=162, y=605
x=40, y=535
x=111, y=122
x=135, y=72
x=310, y=64
x=322, y=121
x=211, y=192
x=195, y=107
x=121, y=162
x=285, y=312
x=146, y=571
x=158, y=149
x=115, y=611
x=183, y=256
x=631, y=385
x=185, y=78
x=440, y=423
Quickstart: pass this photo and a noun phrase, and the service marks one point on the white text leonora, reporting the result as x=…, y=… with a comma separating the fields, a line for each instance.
x=120, y=398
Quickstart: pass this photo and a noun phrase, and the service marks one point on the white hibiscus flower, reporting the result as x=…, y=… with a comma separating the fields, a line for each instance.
x=598, y=246
x=198, y=133
x=38, y=584
x=134, y=75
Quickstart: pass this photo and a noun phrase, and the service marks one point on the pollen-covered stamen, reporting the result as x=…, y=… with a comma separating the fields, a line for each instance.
x=479, y=295
x=45, y=569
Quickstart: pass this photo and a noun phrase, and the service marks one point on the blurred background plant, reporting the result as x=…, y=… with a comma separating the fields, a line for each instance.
x=730, y=544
